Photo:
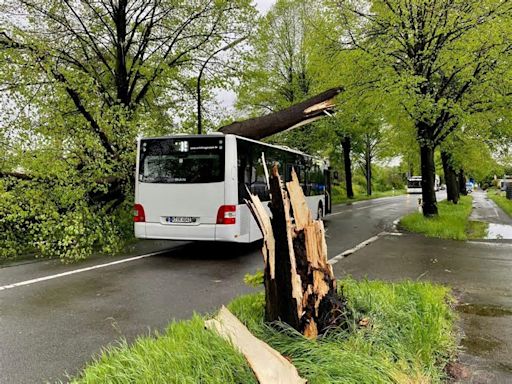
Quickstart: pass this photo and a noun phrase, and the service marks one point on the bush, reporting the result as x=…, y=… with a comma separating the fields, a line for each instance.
x=57, y=222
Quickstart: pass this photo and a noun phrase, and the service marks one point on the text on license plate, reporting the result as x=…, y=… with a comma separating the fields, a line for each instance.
x=180, y=219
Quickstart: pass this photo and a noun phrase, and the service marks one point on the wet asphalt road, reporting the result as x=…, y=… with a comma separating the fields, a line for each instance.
x=53, y=327
x=478, y=272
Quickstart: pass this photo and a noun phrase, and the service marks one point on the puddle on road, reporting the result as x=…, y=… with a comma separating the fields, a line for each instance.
x=479, y=345
x=475, y=342
x=483, y=310
x=499, y=231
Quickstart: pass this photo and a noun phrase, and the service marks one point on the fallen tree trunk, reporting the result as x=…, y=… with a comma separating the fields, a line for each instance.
x=298, y=114
x=300, y=288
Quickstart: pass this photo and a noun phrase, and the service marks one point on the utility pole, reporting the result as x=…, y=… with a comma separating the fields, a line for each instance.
x=200, y=75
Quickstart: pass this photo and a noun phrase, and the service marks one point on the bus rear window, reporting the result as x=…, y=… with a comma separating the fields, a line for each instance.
x=181, y=160
x=414, y=183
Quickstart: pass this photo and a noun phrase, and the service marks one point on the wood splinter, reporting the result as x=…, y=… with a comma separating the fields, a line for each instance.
x=269, y=366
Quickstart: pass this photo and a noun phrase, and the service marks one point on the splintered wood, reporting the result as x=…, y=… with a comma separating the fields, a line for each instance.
x=268, y=365
x=300, y=288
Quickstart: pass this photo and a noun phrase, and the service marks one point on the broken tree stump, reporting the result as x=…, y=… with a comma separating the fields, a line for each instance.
x=300, y=287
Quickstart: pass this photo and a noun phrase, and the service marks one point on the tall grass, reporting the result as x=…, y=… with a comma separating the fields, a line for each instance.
x=452, y=222
x=186, y=353
x=500, y=199
x=408, y=340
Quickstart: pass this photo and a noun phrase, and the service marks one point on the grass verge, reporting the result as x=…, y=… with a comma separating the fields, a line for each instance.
x=452, y=222
x=499, y=198
x=338, y=198
x=476, y=230
x=410, y=338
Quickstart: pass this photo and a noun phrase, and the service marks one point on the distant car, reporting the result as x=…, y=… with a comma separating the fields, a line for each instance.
x=469, y=187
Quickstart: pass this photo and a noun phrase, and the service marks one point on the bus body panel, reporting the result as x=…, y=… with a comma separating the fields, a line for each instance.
x=167, y=200
x=173, y=200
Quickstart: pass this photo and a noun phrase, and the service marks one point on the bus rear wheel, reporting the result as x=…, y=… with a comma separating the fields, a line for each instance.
x=320, y=211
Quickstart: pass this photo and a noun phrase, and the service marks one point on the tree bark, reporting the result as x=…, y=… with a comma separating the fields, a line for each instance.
x=368, y=167
x=462, y=183
x=346, y=144
x=452, y=185
x=298, y=114
x=428, y=173
x=300, y=288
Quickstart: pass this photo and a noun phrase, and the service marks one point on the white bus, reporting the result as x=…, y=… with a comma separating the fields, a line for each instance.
x=414, y=184
x=193, y=187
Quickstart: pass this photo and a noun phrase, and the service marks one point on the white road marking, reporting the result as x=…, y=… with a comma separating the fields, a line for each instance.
x=350, y=251
x=357, y=208
x=372, y=206
x=336, y=213
x=80, y=270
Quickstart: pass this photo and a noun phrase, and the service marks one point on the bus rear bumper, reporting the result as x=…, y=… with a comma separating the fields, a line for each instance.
x=202, y=232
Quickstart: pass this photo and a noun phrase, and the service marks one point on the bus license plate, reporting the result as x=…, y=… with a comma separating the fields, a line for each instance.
x=180, y=219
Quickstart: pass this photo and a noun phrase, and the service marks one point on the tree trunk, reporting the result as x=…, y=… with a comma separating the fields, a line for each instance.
x=295, y=115
x=428, y=174
x=347, y=146
x=300, y=288
x=368, y=167
x=452, y=185
x=462, y=183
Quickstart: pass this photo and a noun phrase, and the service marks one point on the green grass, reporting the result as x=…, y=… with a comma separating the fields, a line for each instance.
x=409, y=339
x=499, y=198
x=340, y=197
x=476, y=230
x=452, y=222
x=186, y=353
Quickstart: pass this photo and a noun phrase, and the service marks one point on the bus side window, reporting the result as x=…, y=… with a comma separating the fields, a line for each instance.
x=299, y=170
x=259, y=185
x=244, y=170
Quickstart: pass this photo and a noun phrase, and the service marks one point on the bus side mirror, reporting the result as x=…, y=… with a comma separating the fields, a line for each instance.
x=336, y=175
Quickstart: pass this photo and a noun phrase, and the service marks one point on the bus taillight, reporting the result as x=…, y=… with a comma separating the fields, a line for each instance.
x=226, y=214
x=138, y=213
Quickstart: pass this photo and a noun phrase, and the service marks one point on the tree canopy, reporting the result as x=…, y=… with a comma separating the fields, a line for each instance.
x=81, y=79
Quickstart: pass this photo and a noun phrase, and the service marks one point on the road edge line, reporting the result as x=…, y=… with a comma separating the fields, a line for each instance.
x=338, y=257
x=80, y=270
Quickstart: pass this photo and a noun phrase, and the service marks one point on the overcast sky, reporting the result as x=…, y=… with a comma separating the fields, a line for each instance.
x=227, y=98
x=264, y=5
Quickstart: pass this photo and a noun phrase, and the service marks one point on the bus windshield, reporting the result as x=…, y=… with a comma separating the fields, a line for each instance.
x=414, y=183
x=182, y=160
